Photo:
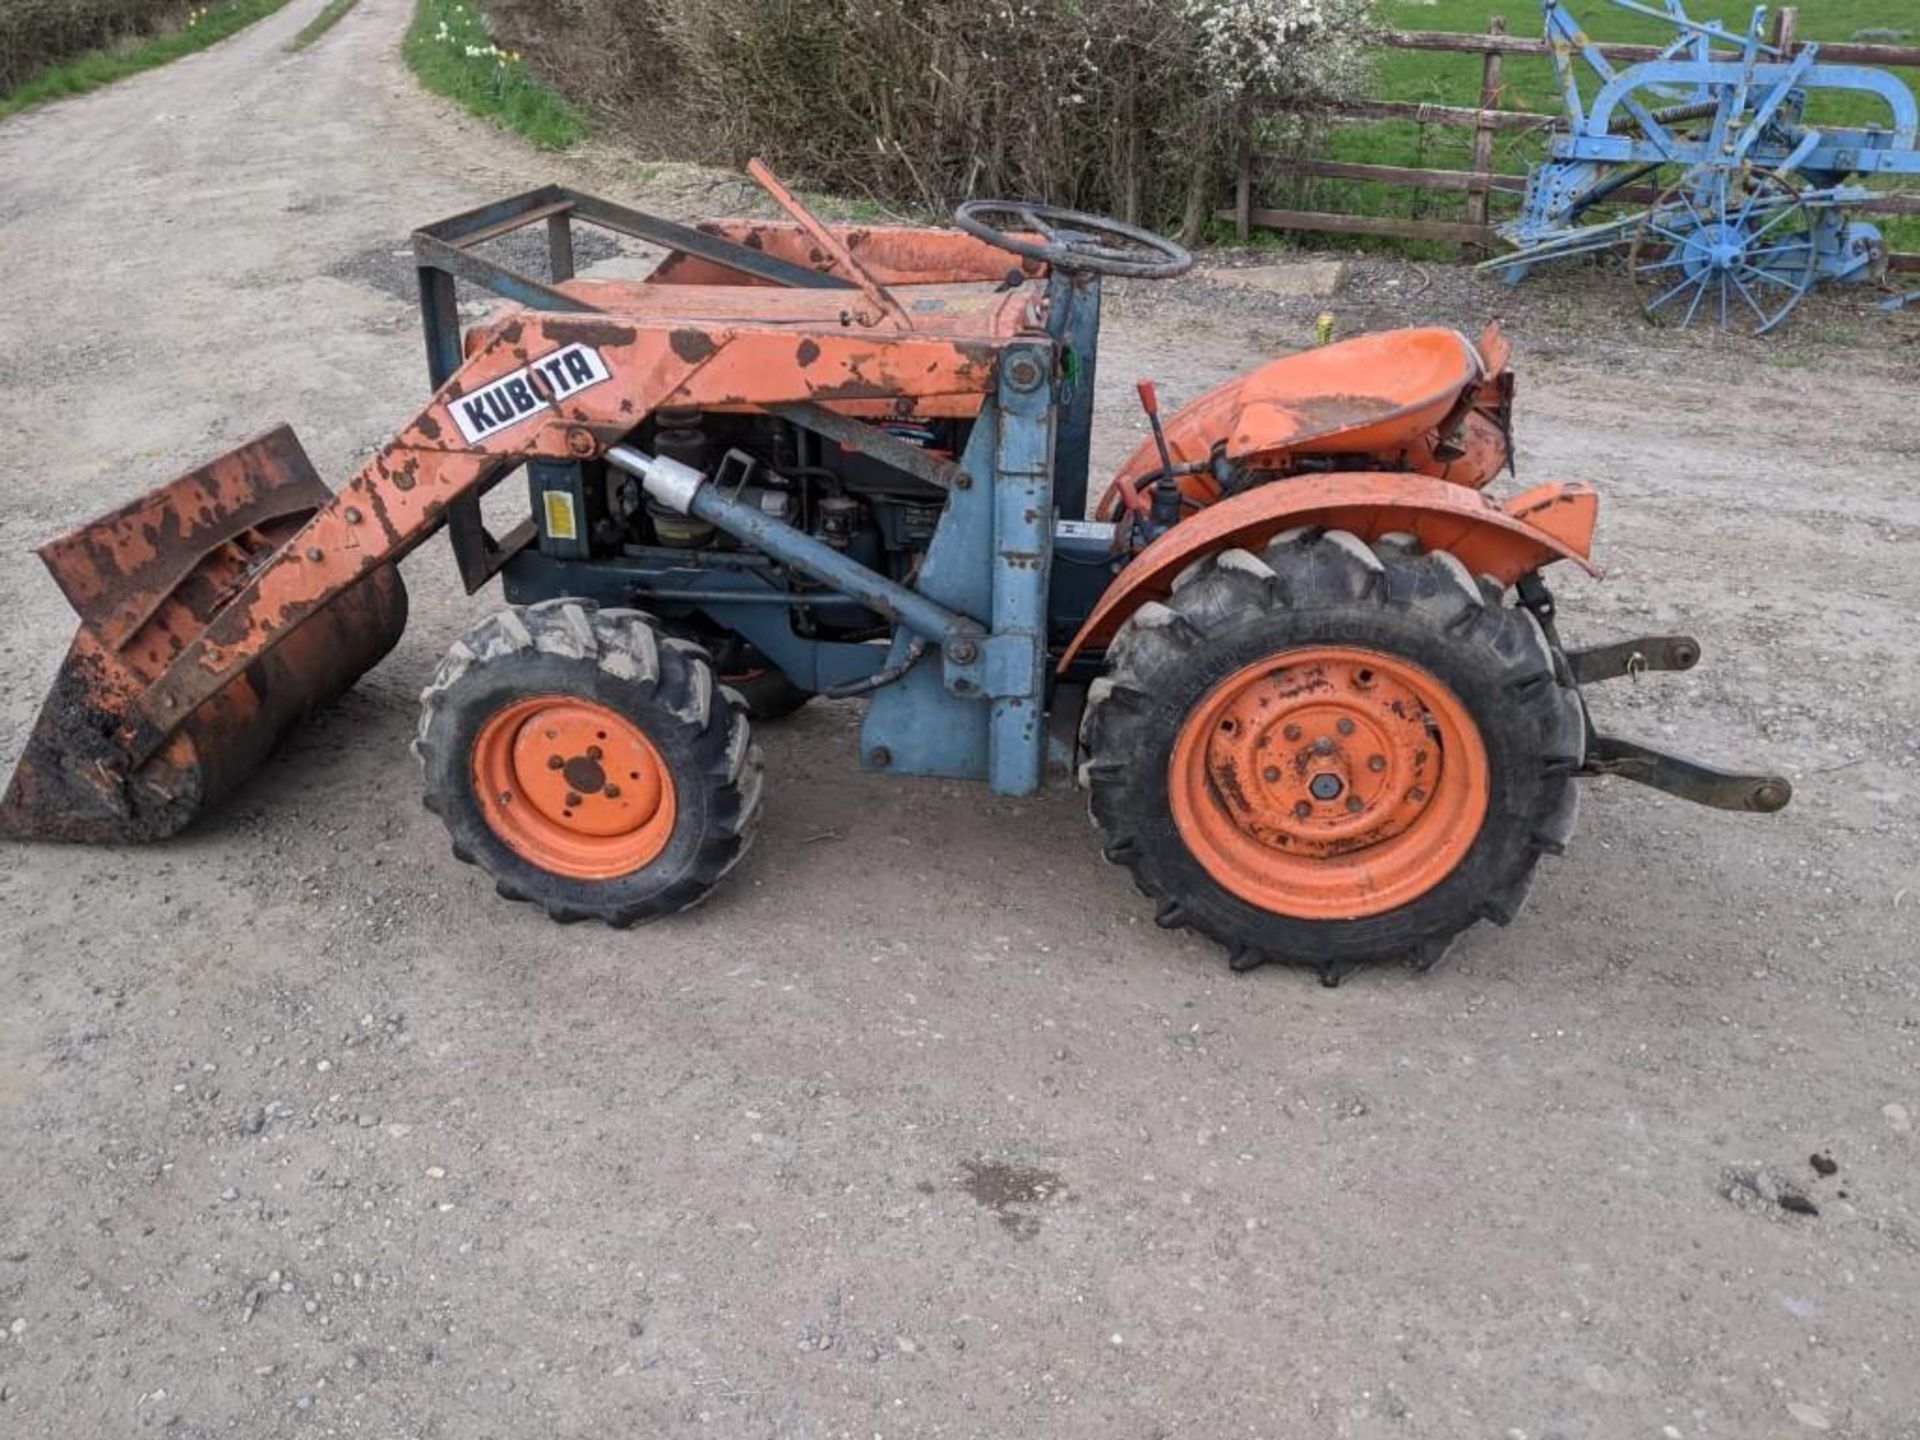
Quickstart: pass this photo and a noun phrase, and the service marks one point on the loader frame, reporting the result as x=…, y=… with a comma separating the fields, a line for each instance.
x=979, y=710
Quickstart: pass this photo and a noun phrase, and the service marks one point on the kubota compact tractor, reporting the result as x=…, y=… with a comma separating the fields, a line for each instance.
x=1325, y=713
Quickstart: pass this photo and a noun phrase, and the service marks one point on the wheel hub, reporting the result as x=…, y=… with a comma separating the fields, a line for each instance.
x=584, y=767
x=1323, y=757
x=1715, y=247
x=573, y=786
x=1329, y=782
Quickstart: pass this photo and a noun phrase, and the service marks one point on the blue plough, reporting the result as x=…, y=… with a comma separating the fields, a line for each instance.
x=1751, y=198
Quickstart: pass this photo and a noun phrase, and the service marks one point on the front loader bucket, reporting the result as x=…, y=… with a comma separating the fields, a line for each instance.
x=147, y=580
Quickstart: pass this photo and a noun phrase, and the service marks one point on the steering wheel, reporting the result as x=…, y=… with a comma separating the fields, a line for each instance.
x=1073, y=239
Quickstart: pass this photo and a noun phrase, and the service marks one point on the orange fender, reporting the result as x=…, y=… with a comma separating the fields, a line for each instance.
x=1505, y=540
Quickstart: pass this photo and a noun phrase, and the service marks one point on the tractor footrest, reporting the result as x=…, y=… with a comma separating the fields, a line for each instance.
x=1693, y=780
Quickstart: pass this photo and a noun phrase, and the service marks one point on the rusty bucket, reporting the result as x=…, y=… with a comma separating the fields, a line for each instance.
x=147, y=580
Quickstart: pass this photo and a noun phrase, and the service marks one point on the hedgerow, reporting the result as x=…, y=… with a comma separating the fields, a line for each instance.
x=1127, y=106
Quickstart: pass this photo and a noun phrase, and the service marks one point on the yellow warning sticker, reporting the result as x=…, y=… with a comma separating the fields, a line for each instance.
x=560, y=521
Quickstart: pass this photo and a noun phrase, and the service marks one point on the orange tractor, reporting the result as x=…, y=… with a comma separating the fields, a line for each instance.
x=1324, y=714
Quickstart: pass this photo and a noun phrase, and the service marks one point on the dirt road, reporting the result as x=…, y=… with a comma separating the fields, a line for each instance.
x=922, y=1128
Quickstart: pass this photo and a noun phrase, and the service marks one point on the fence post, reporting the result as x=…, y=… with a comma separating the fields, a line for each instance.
x=1243, y=180
x=1786, y=20
x=1482, y=181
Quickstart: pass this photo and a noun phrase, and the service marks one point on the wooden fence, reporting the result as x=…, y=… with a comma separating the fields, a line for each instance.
x=1481, y=181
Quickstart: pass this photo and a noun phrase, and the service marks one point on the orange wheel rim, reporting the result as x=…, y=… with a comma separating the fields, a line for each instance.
x=573, y=787
x=1329, y=783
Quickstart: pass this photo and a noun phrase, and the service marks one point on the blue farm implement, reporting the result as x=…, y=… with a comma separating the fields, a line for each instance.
x=1323, y=711
x=1750, y=197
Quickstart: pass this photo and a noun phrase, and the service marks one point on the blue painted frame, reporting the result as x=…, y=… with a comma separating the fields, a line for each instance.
x=965, y=671
x=982, y=715
x=1752, y=93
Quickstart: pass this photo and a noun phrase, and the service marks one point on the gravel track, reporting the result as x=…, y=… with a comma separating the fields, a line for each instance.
x=921, y=1128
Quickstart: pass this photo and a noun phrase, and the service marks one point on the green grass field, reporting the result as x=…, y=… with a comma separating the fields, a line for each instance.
x=1527, y=84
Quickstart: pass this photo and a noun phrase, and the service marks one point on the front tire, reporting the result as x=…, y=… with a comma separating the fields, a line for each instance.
x=768, y=693
x=1331, y=754
x=588, y=762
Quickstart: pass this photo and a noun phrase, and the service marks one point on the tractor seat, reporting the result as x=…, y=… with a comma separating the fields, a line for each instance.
x=1364, y=395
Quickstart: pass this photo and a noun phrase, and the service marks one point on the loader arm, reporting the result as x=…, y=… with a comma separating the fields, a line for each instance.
x=561, y=387
x=220, y=608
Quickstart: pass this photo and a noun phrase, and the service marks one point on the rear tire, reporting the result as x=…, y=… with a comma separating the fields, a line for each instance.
x=1254, y=638
x=650, y=793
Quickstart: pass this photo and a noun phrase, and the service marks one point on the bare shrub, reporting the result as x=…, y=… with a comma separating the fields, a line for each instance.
x=1125, y=106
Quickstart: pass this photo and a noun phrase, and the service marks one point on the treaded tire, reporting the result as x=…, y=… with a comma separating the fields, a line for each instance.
x=619, y=659
x=769, y=694
x=1328, y=588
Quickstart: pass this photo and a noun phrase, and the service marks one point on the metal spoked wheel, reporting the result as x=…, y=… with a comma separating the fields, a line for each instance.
x=1741, y=256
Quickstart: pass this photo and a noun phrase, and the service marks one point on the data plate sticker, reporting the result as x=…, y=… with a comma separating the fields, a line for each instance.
x=560, y=520
x=1100, y=530
x=530, y=390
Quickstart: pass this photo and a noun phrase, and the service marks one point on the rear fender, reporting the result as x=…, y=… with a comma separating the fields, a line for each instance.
x=1504, y=540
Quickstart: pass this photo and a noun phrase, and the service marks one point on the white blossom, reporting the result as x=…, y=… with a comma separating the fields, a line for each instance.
x=1279, y=46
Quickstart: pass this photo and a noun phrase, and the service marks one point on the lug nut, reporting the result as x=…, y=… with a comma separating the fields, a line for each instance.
x=1303, y=809
x=593, y=752
x=572, y=799
x=1376, y=763
x=1345, y=726
x=1270, y=774
x=554, y=762
x=1353, y=804
x=1292, y=732
x=612, y=792
x=1323, y=746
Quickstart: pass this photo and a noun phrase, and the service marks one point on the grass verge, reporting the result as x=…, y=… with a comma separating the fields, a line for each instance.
x=330, y=15
x=205, y=26
x=452, y=52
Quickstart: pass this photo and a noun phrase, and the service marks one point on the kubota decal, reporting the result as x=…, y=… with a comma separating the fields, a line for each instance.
x=532, y=388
